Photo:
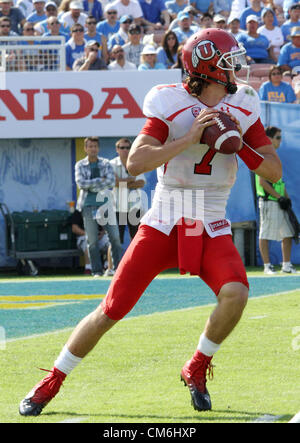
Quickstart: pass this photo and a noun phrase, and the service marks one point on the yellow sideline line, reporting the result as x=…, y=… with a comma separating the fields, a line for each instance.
x=24, y=298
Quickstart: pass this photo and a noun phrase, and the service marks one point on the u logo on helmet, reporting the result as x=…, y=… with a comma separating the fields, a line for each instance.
x=205, y=50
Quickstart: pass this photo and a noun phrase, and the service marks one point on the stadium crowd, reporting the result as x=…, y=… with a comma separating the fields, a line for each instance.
x=149, y=34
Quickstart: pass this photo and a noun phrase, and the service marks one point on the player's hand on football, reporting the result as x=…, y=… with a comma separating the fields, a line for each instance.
x=236, y=121
x=202, y=121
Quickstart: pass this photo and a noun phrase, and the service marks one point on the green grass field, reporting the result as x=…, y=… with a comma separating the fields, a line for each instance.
x=132, y=376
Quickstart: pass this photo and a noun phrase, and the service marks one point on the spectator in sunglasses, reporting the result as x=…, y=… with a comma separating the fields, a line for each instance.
x=15, y=15
x=121, y=37
x=119, y=62
x=75, y=46
x=276, y=90
x=134, y=47
x=273, y=202
x=43, y=26
x=111, y=24
x=127, y=192
x=91, y=61
x=92, y=34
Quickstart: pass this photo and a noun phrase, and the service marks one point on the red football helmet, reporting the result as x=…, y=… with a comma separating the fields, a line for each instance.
x=210, y=53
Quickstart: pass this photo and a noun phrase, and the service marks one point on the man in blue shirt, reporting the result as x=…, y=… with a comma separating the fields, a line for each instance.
x=75, y=46
x=39, y=13
x=185, y=30
x=294, y=20
x=155, y=14
x=289, y=56
x=110, y=25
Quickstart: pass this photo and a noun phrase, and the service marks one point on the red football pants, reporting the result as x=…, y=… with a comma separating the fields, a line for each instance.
x=152, y=252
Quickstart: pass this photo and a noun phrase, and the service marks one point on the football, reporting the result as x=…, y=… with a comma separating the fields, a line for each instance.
x=224, y=136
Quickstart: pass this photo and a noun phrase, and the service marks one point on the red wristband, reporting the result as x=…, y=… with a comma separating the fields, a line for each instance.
x=250, y=157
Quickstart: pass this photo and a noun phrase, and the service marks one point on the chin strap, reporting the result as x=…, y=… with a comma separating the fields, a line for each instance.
x=230, y=87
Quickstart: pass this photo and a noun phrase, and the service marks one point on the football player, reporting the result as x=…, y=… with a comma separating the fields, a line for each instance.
x=186, y=225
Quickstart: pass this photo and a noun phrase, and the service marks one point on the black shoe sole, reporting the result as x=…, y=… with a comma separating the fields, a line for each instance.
x=200, y=401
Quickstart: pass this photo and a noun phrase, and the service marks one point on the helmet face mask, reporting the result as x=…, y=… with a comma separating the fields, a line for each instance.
x=235, y=61
x=211, y=53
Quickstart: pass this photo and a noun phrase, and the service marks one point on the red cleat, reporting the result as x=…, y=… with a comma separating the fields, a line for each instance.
x=193, y=374
x=42, y=393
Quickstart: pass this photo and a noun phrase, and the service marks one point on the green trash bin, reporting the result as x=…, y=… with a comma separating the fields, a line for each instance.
x=42, y=231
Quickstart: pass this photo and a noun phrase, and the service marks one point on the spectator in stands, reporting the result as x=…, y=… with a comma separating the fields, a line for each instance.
x=255, y=8
x=110, y=25
x=222, y=7
x=75, y=46
x=38, y=14
x=5, y=29
x=275, y=90
x=273, y=33
x=234, y=27
x=94, y=8
x=185, y=29
x=128, y=7
x=54, y=28
x=219, y=22
x=120, y=63
x=194, y=16
x=63, y=7
x=294, y=20
x=94, y=177
x=175, y=6
x=203, y=6
x=289, y=56
x=121, y=37
x=255, y=44
x=129, y=204
x=286, y=6
x=74, y=15
x=167, y=52
x=274, y=223
x=179, y=63
x=92, y=34
x=25, y=6
x=206, y=21
x=92, y=60
x=149, y=59
x=16, y=17
x=134, y=47
x=155, y=15
x=51, y=11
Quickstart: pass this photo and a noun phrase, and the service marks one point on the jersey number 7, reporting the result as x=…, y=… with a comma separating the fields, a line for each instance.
x=204, y=167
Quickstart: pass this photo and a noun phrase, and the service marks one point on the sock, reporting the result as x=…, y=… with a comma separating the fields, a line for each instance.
x=285, y=264
x=206, y=346
x=267, y=265
x=88, y=267
x=66, y=361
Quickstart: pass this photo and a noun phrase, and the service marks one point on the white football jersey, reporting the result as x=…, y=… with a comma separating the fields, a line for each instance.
x=196, y=183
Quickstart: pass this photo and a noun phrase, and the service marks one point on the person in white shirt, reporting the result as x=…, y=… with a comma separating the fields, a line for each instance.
x=273, y=33
x=120, y=63
x=128, y=7
x=127, y=191
x=74, y=15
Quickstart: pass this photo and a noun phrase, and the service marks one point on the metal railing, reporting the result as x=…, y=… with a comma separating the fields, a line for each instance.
x=19, y=54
